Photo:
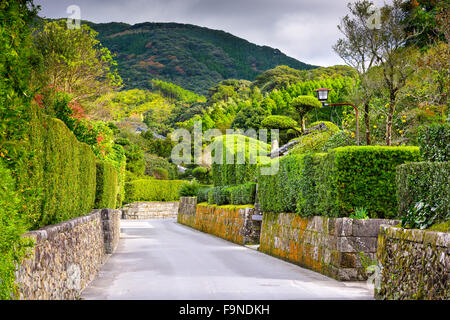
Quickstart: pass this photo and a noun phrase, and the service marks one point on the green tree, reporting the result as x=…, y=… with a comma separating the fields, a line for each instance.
x=250, y=117
x=74, y=61
x=304, y=104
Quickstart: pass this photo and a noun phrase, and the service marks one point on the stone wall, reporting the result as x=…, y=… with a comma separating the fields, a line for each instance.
x=414, y=264
x=233, y=223
x=67, y=256
x=331, y=246
x=150, y=210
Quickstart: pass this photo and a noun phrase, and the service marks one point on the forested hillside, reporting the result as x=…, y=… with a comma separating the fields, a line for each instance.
x=192, y=57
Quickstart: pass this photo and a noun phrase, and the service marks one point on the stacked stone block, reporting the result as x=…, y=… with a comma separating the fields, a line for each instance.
x=150, y=210
x=331, y=246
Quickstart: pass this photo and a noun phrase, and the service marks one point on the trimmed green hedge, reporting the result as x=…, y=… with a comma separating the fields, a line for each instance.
x=107, y=185
x=336, y=183
x=202, y=195
x=434, y=142
x=427, y=182
x=219, y=195
x=222, y=195
x=361, y=177
x=243, y=194
x=12, y=226
x=228, y=174
x=152, y=190
x=65, y=174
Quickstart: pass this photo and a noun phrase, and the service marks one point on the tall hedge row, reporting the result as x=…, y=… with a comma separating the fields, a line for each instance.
x=336, y=183
x=107, y=185
x=252, y=152
x=424, y=181
x=152, y=190
x=63, y=175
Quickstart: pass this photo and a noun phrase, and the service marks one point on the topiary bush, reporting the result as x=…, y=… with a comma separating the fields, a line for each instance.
x=311, y=178
x=152, y=190
x=161, y=173
x=315, y=141
x=219, y=195
x=152, y=162
x=189, y=189
x=434, y=142
x=304, y=104
x=201, y=174
x=426, y=182
x=243, y=194
x=279, y=122
x=233, y=173
x=339, y=139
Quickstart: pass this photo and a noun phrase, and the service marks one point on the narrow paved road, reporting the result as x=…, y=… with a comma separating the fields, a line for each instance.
x=161, y=259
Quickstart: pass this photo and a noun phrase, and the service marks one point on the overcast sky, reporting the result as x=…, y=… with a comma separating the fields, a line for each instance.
x=303, y=29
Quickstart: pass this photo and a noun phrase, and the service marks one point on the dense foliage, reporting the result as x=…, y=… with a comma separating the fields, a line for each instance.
x=434, y=142
x=426, y=182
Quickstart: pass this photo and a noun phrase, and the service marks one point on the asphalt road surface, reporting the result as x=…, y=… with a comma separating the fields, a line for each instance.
x=161, y=259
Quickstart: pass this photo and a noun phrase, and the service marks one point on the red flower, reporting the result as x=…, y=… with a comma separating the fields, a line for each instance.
x=38, y=99
x=100, y=138
x=77, y=110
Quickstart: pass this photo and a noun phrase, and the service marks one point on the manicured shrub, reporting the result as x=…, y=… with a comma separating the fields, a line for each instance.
x=161, y=174
x=315, y=140
x=336, y=183
x=355, y=177
x=243, y=194
x=152, y=190
x=426, y=182
x=250, y=149
x=268, y=196
x=68, y=175
x=202, y=195
x=107, y=186
x=279, y=122
x=189, y=189
x=434, y=142
x=222, y=195
x=339, y=139
x=219, y=195
x=201, y=174
x=153, y=162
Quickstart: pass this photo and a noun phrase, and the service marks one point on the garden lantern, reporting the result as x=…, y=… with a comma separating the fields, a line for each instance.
x=322, y=94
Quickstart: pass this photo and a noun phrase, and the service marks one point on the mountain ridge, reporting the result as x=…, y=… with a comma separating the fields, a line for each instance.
x=193, y=57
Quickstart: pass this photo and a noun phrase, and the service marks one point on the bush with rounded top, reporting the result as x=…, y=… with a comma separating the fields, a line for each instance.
x=279, y=122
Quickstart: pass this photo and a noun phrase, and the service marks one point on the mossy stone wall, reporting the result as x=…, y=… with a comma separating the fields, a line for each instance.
x=414, y=264
x=331, y=246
